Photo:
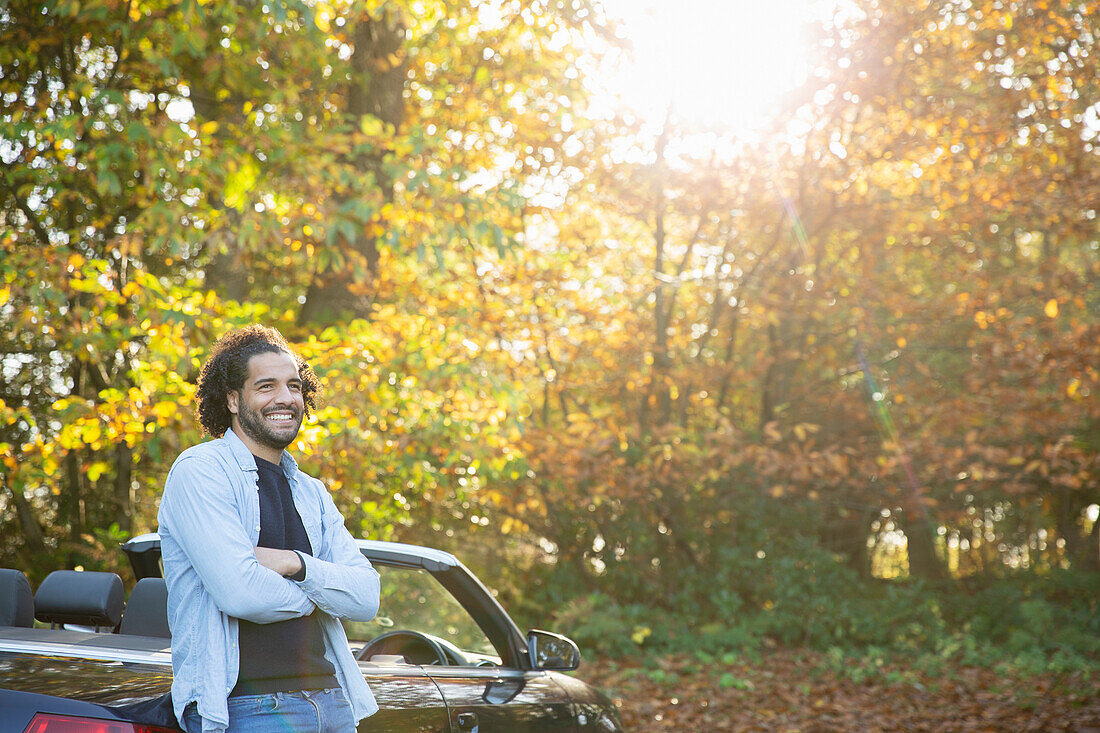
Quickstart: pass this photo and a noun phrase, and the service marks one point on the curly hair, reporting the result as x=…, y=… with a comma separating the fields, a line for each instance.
x=227, y=368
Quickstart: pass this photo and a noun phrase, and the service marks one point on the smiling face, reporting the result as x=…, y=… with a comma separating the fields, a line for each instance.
x=267, y=411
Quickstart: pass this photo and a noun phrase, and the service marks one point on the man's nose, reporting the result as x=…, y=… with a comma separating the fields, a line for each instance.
x=285, y=395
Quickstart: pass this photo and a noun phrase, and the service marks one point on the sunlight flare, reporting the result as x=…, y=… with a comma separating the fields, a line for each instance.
x=722, y=63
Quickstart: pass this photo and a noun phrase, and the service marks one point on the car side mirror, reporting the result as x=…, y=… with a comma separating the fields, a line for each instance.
x=552, y=651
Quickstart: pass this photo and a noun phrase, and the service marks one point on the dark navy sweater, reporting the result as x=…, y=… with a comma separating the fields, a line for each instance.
x=285, y=655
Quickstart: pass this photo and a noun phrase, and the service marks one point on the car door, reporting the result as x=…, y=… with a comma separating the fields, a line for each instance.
x=424, y=628
x=488, y=700
x=408, y=701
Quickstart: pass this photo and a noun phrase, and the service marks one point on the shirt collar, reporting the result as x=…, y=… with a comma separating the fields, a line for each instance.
x=247, y=461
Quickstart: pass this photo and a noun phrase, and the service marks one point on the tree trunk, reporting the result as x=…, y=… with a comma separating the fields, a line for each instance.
x=28, y=523
x=123, y=490
x=920, y=534
x=69, y=501
x=845, y=533
x=376, y=89
x=659, y=391
x=72, y=496
x=1091, y=558
x=225, y=274
x=769, y=386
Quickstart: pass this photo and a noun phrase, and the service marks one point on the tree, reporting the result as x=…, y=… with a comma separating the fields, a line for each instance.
x=175, y=169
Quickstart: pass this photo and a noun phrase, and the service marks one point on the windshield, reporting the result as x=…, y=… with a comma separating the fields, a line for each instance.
x=412, y=600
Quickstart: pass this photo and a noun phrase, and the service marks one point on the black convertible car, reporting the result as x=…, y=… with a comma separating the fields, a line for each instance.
x=441, y=655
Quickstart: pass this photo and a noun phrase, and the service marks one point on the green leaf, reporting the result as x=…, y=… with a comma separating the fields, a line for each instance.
x=240, y=183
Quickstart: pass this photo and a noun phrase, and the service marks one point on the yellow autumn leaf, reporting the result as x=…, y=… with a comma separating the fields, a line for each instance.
x=240, y=183
x=1051, y=308
x=165, y=411
x=91, y=432
x=371, y=125
x=96, y=470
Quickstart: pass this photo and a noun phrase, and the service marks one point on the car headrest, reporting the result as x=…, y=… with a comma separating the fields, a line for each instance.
x=79, y=597
x=147, y=610
x=16, y=599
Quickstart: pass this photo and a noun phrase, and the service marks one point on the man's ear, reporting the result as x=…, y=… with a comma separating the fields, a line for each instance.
x=232, y=400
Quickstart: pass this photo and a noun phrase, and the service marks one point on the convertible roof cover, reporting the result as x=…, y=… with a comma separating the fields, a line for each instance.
x=428, y=558
x=397, y=553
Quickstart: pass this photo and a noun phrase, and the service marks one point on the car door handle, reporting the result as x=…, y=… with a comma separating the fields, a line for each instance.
x=467, y=721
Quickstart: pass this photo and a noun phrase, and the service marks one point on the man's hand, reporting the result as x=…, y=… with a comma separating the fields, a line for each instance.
x=283, y=562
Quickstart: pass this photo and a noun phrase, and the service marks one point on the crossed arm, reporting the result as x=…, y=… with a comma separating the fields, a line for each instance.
x=199, y=512
x=283, y=562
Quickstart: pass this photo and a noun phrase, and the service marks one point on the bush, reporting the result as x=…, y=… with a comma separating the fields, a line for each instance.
x=1052, y=614
x=605, y=628
x=1029, y=622
x=771, y=582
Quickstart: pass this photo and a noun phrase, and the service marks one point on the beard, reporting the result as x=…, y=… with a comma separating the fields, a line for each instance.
x=266, y=433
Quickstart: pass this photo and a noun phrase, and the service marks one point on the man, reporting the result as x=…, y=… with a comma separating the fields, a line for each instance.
x=259, y=566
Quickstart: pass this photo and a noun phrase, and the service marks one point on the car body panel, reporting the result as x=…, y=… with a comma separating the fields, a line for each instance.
x=408, y=700
x=594, y=712
x=82, y=667
x=504, y=700
x=17, y=708
x=94, y=680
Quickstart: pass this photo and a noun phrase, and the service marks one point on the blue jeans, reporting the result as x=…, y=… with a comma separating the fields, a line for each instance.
x=315, y=711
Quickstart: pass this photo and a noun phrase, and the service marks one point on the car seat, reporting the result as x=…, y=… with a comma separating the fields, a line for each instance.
x=16, y=599
x=146, y=612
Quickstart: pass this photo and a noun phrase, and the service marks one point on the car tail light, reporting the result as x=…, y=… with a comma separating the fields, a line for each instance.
x=50, y=723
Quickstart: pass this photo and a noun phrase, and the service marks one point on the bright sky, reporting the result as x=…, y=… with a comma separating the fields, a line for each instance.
x=722, y=62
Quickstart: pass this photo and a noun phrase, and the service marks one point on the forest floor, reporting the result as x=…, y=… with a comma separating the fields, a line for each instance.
x=789, y=690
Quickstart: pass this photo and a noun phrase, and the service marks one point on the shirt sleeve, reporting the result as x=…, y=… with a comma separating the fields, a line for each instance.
x=301, y=574
x=199, y=512
x=338, y=579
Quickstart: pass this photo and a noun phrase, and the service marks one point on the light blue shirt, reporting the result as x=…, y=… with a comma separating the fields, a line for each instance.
x=209, y=524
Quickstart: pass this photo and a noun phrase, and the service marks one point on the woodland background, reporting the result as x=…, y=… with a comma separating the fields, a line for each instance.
x=671, y=391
